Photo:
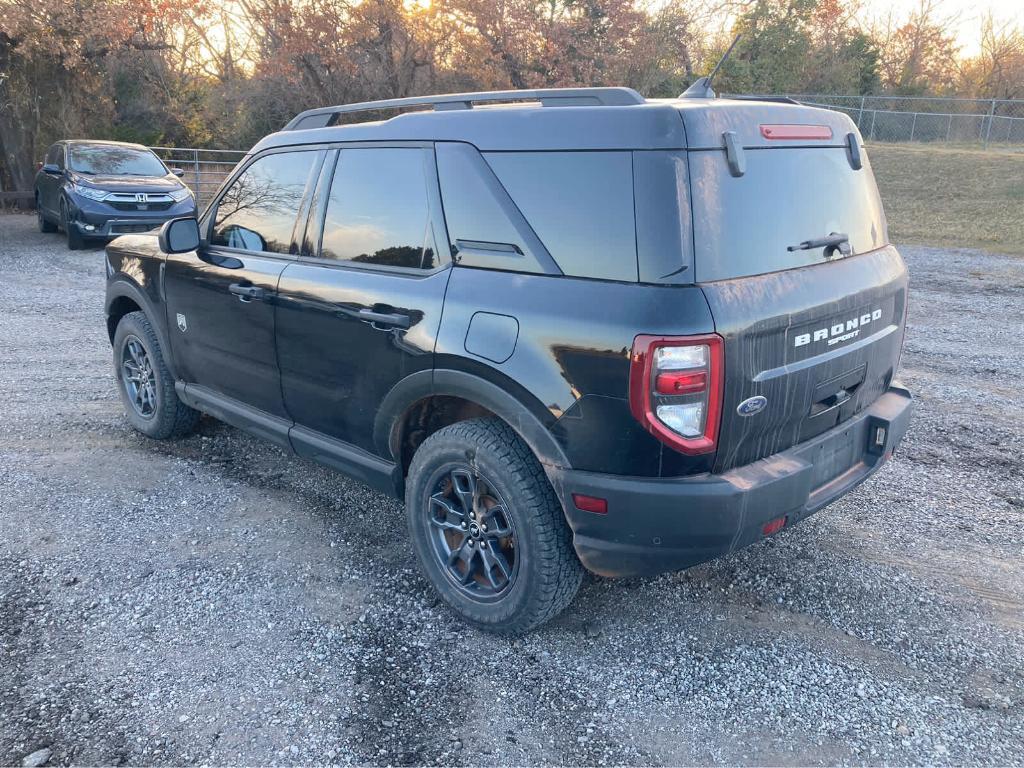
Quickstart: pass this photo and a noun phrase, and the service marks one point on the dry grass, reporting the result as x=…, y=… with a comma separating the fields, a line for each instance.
x=954, y=197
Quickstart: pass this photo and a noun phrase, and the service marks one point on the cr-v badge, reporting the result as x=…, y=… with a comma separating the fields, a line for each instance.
x=752, y=405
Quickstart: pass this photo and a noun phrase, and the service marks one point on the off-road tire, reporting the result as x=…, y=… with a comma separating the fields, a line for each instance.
x=548, y=572
x=170, y=418
x=45, y=225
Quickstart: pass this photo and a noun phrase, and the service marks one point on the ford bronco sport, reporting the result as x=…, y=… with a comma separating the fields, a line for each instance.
x=572, y=328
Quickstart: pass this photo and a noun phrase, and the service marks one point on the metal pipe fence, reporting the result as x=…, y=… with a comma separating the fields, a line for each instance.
x=205, y=169
x=983, y=122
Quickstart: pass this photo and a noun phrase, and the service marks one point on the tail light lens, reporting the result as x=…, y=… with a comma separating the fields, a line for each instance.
x=675, y=389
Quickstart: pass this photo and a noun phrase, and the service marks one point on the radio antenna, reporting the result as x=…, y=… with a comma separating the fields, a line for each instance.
x=701, y=89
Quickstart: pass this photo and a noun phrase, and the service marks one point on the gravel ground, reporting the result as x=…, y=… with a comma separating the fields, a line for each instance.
x=218, y=601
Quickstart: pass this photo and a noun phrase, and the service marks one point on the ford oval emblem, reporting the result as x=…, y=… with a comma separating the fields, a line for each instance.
x=752, y=405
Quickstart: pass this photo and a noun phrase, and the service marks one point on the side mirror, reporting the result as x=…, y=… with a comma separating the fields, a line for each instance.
x=179, y=235
x=51, y=168
x=178, y=172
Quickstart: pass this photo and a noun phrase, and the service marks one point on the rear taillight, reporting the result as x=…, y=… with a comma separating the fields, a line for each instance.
x=675, y=389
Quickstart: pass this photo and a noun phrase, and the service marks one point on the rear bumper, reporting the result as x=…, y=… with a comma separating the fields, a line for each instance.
x=665, y=524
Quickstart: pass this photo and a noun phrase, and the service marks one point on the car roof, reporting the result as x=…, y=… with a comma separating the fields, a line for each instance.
x=557, y=119
x=101, y=142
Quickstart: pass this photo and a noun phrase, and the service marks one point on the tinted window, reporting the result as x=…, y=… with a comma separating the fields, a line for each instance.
x=258, y=210
x=743, y=225
x=112, y=160
x=53, y=155
x=485, y=228
x=580, y=204
x=377, y=209
x=664, y=228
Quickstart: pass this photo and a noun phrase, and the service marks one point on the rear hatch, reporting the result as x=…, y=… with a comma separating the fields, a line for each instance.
x=815, y=331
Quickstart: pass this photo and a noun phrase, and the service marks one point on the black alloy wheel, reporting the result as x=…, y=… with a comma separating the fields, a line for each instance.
x=145, y=384
x=138, y=377
x=487, y=528
x=473, y=537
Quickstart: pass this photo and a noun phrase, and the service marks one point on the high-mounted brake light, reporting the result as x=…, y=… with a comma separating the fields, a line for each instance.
x=675, y=389
x=796, y=131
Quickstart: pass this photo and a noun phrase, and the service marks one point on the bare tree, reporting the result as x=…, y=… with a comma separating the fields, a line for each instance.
x=918, y=55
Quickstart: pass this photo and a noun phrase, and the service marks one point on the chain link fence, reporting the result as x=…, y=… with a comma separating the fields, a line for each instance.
x=204, y=169
x=984, y=122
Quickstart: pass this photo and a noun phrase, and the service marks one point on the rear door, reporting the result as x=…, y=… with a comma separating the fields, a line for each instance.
x=50, y=184
x=220, y=298
x=360, y=310
x=813, y=329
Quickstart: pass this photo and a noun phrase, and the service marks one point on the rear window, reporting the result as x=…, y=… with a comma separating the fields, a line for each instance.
x=743, y=225
x=377, y=210
x=580, y=204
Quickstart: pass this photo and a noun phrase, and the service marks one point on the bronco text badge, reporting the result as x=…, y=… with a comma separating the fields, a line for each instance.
x=838, y=332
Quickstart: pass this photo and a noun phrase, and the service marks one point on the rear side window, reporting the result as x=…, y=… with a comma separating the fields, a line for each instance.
x=486, y=229
x=744, y=225
x=257, y=212
x=377, y=210
x=580, y=204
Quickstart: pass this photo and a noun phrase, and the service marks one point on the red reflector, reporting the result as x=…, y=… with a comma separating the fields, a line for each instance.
x=774, y=526
x=681, y=382
x=590, y=504
x=796, y=131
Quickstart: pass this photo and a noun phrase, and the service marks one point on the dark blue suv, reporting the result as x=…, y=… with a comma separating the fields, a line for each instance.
x=101, y=189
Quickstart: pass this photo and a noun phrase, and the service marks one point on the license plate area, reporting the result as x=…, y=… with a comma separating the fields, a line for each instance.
x=835, y=456
x=125, y=229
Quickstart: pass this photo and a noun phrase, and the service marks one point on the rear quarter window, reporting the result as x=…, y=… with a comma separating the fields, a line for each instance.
x=580, y=204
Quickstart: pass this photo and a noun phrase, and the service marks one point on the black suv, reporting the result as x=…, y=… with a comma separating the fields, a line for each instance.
x=573, y=329
x=101, y=189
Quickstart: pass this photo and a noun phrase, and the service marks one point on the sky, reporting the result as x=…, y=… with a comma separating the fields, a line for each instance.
x=967, y=12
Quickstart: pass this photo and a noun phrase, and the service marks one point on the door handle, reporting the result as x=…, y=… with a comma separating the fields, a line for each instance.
x=247, y=292
x=830, y=403
x=392, y=319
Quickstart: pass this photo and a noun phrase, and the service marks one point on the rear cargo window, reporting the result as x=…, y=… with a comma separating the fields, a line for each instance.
x=580, y=204
x=743, y=225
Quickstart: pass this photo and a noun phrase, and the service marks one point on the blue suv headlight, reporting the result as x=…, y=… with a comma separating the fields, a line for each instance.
x=181, y=194
x=92, y=194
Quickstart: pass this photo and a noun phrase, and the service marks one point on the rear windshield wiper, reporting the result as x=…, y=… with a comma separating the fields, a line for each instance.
x=834, y=241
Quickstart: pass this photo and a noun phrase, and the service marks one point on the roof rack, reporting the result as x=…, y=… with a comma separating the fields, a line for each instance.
x=548, y=97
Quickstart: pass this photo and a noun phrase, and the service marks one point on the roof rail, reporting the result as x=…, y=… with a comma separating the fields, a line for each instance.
x=548, y=97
